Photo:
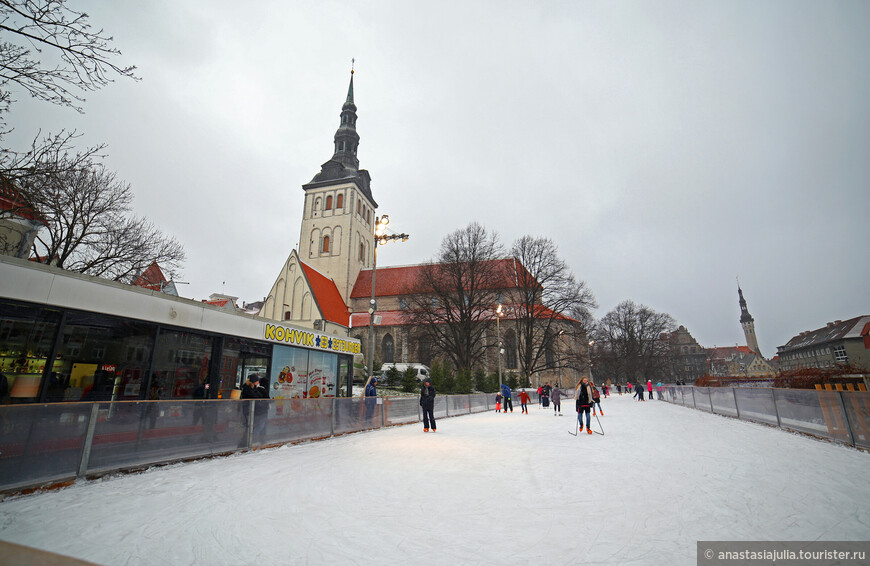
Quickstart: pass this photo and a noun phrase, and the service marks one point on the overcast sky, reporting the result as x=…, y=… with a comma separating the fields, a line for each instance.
x=666, y=147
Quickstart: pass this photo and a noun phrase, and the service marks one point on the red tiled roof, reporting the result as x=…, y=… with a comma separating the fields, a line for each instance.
x=388, y=318
x=152, y=278
x=405, y=280
x=10, y=199
x=218, y=303
x=326, y=296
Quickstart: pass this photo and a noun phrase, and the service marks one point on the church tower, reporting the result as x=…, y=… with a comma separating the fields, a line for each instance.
x=748, y=323
x=338, y=218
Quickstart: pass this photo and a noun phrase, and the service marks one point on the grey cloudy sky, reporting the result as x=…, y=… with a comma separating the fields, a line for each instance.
x=666, y=147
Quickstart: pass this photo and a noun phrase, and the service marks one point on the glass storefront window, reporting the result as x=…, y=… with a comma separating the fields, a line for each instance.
x=26, y=339
x=180, y=365
x=241, y=358
x=101, y=358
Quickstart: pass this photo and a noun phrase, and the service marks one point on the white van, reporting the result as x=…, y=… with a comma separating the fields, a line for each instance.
x=421, y=370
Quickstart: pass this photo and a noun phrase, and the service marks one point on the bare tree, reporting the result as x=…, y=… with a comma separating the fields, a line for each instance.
x=457, y=295
x=628, y=344
x=90, y=228
x=81, y=56
x=550, y=307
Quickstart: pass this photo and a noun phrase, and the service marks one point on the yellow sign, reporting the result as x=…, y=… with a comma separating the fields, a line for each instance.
x=306, y=339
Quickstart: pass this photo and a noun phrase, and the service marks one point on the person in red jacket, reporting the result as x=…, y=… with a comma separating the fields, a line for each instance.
x=524, y=400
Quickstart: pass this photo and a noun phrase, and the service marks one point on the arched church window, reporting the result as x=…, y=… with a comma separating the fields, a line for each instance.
x=339, y=201
x=325, y=244
x=510, y=350
x=362, y=251
x=329, y=202
x=388, y=349
x=317, y=203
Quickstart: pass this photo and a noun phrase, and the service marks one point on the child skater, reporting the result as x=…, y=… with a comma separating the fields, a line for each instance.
x=498, y=402
x=556, y=398
x=596, y=399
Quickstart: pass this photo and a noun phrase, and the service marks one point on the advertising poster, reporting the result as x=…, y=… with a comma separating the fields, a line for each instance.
x=289, y=373
x=323, y=368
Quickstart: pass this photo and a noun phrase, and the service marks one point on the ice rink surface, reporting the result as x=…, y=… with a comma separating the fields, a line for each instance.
x=485, y=489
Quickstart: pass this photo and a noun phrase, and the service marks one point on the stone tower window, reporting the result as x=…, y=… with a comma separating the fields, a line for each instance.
x=325, y=245
x=329, y=203
x=339, y=201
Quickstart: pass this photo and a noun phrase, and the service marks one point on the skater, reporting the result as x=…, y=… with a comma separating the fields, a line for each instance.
x=596, y=399
x=638, y=392
x=253, y=390
x=371, y=394
x=583, y=396
x=524, y=402
x=506, y=398
x=427, y=402
x=606, y=390
x=557, y=402
x=498, y=402
x=659, y=390
x=540, y=398
x=619, y=389
x=545, y=395
x=649, y=388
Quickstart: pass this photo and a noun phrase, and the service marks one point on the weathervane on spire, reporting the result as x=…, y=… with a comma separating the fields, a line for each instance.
x=352, y=61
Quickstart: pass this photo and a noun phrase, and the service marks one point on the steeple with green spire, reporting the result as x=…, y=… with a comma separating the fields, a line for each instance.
x=344, y=164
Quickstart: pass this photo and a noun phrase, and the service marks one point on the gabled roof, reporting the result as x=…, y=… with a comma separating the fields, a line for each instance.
x=405, y=280
x=837, y=330
x=326, y=296
x=152, y=278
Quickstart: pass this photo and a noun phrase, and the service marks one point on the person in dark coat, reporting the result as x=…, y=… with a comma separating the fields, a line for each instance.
x=371, y=395
x=583, y=397
x=506, y=398
x=427, y=402
x=253, y=390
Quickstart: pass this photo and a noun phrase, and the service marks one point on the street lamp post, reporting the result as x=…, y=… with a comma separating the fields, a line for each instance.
x=380, y=238
x=499, y=313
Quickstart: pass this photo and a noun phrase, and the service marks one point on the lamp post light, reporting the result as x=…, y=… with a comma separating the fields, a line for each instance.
x=499, y=313
x=381, y=237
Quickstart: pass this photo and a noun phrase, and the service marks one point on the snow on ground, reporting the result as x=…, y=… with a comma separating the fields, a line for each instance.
x=485, y=489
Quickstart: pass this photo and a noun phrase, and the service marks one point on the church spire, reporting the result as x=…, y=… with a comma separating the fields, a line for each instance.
x=748, y=323
x=346, y=139
x=744, y=310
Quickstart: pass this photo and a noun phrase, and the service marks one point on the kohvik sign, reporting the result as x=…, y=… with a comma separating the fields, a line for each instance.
x=308, y=339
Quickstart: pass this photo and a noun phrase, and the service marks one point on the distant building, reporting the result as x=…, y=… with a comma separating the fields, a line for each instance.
x=837, y=343
x=688, y=358
x=738, y=361
x=19, y=223
x=154, y=279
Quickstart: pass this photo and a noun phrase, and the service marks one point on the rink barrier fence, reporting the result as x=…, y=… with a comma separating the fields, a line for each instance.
x=53, y=444
x=839, y=416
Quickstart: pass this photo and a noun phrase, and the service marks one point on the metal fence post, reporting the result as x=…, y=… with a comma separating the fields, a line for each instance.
x=848, y=420
x=710, y=396
x=736, y=405
x=89, y=440
x=383, y=416
x=250, y=435
x=775, y=408
x=332, y=418
x=694, y=405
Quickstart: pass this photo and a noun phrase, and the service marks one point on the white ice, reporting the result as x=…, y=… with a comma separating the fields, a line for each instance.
x=485, y=489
